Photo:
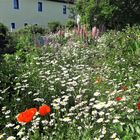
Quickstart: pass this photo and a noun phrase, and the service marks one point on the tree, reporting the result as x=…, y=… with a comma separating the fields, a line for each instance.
x=114, y=14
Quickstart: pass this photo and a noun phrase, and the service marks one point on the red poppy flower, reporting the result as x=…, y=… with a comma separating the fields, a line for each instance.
x=44, y=110
x=138, y=105
x=27, y=115
x=118, y=98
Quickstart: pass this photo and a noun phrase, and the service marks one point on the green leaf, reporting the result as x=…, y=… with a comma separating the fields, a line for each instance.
x=127, y=138
x=132, y=128
x=137, y=129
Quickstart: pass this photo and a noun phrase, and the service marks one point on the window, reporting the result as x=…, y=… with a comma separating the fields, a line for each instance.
x=64, y=9
x=16, y=4
x=25, y=24
x=40, y=6
x=13, y=26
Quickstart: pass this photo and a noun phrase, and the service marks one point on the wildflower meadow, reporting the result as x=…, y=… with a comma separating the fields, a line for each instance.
x=72, y=88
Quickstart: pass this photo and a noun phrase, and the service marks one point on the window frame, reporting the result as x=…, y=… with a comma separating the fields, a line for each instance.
x=13, y=25
x=40, y=6
x=16, y=4
x=25, y=24
x=64, y=9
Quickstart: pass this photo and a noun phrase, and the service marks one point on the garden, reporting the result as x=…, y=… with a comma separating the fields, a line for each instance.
x=73, y=87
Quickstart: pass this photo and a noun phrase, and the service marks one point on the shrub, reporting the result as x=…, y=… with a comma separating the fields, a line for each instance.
x=126, y=42
x=3, y=38
x=70, y=24
x=6, y=40
x=25, y=37
x=33, y=29
x=3, y=29
x=54, y=26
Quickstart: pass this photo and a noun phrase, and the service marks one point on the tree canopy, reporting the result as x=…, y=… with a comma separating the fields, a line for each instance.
x=111, y=13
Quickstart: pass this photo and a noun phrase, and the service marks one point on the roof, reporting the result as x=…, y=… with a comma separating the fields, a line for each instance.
x=64, y=1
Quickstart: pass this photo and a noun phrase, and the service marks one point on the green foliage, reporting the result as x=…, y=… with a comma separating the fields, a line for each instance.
x=24, y=41
x=33, y=29
x=126, y=42
x=79, y=83
x=54, y=26
x=70, y=24
x=3, y=29
x=25, y=38
x=7, y=40
x=113, y=14
x=72, y=10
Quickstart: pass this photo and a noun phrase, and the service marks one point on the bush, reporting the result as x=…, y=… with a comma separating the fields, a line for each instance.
x=33, y=29
x=6, y=40
x=3, y=29
x=126, y=42
x=70, y=24
x=3, y=38
x=54, y=26
x=25, y=37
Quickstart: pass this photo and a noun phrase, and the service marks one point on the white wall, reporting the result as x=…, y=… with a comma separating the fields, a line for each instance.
x=28, y=12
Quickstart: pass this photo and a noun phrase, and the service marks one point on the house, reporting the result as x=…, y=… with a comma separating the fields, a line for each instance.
x=19, y=13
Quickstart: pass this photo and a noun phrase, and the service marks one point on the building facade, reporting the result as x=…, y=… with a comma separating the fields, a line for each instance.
x=16, y=14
